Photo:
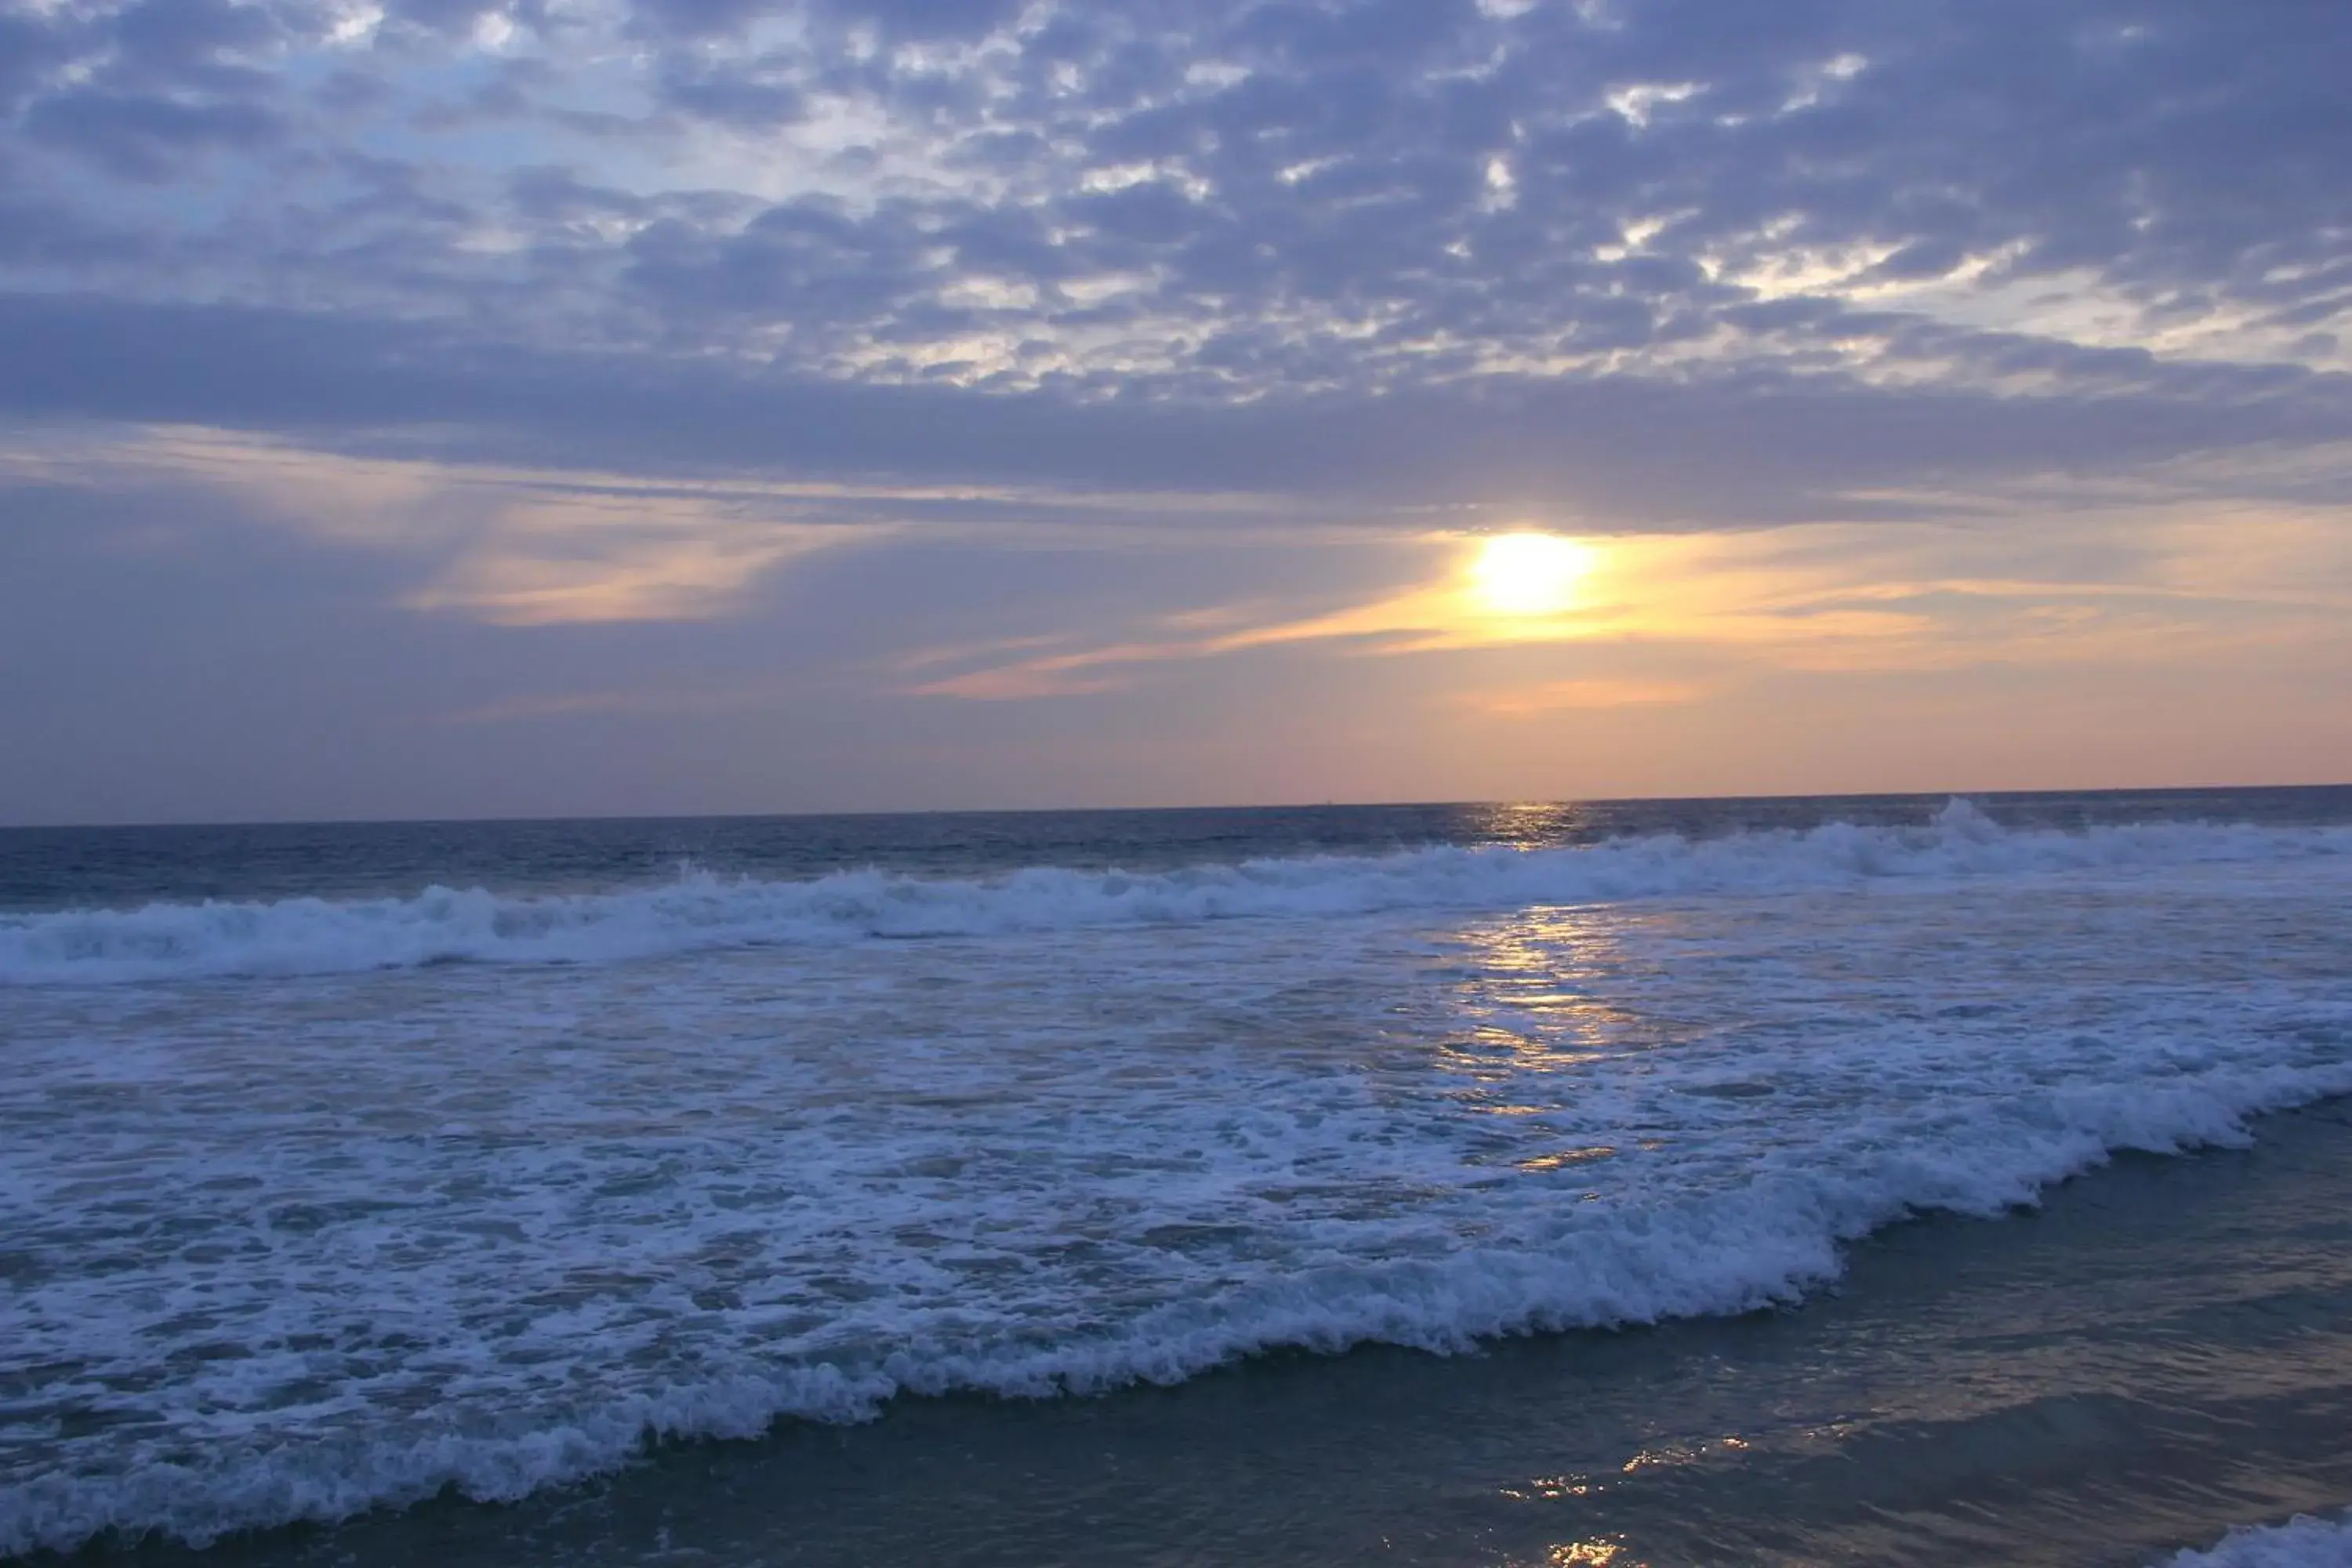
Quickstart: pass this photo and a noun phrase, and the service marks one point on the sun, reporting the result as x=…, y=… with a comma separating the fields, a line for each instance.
x=1530, y=573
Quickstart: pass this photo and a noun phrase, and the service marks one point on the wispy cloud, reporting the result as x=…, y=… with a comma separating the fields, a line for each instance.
x=1597, y=691
x=521, y=545
x=1815, y=597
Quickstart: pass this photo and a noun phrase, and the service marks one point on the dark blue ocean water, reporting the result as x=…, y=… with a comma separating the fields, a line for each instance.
x=62, y=868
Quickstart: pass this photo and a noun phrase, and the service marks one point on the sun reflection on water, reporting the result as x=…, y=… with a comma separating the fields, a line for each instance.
x=1527, y=1028
x=1530, y=984
x=1568, y=1157
x=1537, y=824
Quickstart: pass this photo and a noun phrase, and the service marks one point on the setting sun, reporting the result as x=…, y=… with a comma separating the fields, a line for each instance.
x=1530, y=573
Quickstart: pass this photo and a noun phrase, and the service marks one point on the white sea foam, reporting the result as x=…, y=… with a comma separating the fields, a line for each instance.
x=293, y=1250
x=2302, y=1542
x=1766, y=1245
x=701, y=911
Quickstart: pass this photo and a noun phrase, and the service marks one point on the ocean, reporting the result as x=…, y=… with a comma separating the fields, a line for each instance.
x=1855, y=1180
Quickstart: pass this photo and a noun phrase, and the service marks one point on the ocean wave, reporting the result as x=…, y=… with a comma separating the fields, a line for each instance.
x=2301, y=1542
x=1769, y=1243
x=701, y=911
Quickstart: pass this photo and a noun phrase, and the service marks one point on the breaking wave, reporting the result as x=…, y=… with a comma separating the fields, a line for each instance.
x=701, y=911
x=1772, y=1243
x=2302, y=1542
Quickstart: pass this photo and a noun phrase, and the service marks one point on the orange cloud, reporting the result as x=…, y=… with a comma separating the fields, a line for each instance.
x=1556, y=695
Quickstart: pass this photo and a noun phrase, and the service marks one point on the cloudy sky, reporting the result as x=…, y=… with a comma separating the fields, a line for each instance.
x=443, y=408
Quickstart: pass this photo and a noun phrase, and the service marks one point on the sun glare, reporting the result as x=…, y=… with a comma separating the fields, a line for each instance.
x=1530, y=573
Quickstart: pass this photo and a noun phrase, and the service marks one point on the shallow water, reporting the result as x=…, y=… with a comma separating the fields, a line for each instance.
x=2163, y=1349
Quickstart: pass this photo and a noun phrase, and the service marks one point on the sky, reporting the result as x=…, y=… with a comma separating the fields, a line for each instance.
x=437, y=408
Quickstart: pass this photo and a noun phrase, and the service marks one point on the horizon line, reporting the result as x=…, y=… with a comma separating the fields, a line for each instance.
x=1334, y=805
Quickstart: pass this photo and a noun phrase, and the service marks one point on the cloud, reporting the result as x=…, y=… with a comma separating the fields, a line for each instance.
x=1019, y=682
x=549, y=564
x=512, y=547
x=2094, y=590
x=1234, y=201
x=1148, y=345
x=1733, y=450
x=1576, y=695
x=1665, y=261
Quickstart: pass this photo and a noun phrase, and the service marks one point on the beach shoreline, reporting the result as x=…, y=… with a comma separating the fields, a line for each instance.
x=2160, y=1352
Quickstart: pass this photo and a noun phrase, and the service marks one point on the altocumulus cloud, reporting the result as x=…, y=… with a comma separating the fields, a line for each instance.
x=1676, y=263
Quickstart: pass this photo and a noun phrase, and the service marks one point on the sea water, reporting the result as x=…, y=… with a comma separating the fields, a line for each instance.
x=342, y=1168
